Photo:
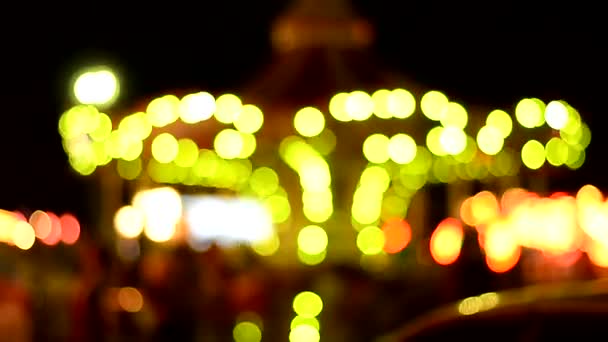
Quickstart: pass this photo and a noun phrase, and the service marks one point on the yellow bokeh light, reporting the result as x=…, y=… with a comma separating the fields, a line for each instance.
x=117, y=144
x=533, y=154
x=469, y=152
x=433, y=141
x=197, y=107
x=165, y=148
x=103, y=129
x=307, y=304
x=359, y=105
x=315, y=175
x=163, y=111
x=79, y=120
x=279, y=207
x=401, y=103
x=311, y=259
x=556, y=151
x=98, y=87
x=317, y=205
x=375, y=177
x=309, y=122
x=249, y=145
x=490, y=140
x=101, y=156
x=530, y=113
x=312, y=240
x=7, y=222
x=556, y=114
x=299, y=320
x=264, y=181
x=133, y=150
x=453, y=140
x=249, y=119
x=228, y=143
x=454, y=115
x=500, y=120
x=375, y=148
x=304, y=333
x=470, y=306
x=576, y=158
x=337, y=107
x=402, y=148
x=187, y=153
x=366, y=211
x=370, y=240
x=23, y=235
x=381, y=107
x=227, y=107
x=246, y=332
x=83, y=166
x=129, y=222
x=135, y=126
x=433, y=104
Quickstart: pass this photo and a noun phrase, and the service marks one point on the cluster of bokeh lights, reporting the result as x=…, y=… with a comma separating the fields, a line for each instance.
x=305, y=325
x=18, y=230
x=146, y=145
x=558, y=225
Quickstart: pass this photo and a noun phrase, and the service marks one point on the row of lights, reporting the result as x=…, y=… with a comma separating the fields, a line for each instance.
x=449, y=138
x=556, y=225
x=48, y=228
x=304, y=327
x=399, y=167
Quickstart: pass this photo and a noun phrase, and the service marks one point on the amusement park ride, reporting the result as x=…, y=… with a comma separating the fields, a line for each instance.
x=326, y=157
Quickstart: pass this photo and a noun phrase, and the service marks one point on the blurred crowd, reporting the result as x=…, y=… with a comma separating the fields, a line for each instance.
x=87, y=293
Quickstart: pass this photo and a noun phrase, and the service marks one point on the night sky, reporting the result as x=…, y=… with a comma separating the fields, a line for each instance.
x=492, y=55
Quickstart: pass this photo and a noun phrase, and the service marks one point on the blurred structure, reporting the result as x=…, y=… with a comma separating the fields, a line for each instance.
x=325, y=140
x=327, y=158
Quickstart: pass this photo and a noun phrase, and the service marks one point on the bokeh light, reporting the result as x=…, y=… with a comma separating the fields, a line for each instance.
x=98, y=86
x=130, y=299
x=307, y=304
x=309, y=122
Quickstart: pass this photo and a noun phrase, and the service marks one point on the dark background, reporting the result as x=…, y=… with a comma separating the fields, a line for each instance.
x=493, y=55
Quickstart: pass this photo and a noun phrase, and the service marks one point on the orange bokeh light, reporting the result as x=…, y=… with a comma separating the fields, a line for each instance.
x=70, y=229
x=42, y=224
x=598, y=254
x=446, y=241
x=466, y=213
x=506, y=264
x=484, y=208
x=397, y=235
x=54, y=235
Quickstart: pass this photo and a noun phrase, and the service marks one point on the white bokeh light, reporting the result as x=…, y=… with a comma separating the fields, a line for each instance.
x=99, y=87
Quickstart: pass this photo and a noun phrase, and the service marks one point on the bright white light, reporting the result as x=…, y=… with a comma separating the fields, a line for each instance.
x=98, y=87
x=162, y=208
x=556, y=115
x=197, y=107
x=226, y=220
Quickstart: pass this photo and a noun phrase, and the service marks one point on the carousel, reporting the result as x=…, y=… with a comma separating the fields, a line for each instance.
x=329, y=158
